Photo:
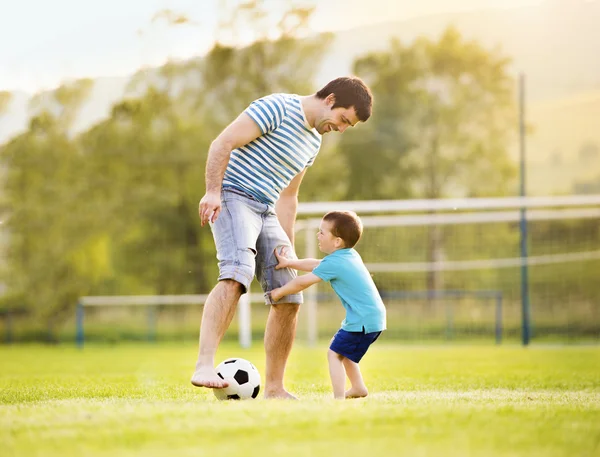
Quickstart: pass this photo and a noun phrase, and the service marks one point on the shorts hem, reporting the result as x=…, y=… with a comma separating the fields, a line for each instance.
x=293, y=299
x=349, y=357
x=237, y=277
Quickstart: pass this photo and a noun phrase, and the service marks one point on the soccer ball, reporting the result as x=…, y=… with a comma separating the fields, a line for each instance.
x=243, y=379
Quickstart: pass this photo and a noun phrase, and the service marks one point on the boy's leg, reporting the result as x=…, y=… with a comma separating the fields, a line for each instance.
x=280, y=331
x=357, y=388
x=351, y=347
x=337, y=373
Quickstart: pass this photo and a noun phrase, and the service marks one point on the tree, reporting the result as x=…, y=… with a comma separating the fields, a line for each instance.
x=114, y=209
x=443, y=118
x=63, y=103
x=142, y=166
x=52, y=255
x=168, y=126
x=5, y=99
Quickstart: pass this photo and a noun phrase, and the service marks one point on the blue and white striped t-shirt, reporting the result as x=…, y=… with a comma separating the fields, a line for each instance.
x=266, y=165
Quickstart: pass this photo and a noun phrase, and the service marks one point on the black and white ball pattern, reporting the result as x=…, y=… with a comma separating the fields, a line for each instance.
x=243, y=379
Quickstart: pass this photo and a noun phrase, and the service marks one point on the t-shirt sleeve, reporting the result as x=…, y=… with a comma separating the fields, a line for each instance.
x=312, y=159
x=328, y=269
x=268, y=112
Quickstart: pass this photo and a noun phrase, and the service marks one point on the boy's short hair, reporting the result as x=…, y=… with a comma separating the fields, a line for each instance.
x=349, y=91
x=346, y=225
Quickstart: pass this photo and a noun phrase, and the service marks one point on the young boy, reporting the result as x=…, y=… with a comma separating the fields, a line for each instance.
x=344, y=269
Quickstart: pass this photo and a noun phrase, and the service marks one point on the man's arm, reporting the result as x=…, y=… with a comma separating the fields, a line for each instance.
x=240, y=132
x=287, y=205
x=294, y=286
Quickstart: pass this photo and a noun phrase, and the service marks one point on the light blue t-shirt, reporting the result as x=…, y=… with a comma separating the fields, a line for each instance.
x=352, y=282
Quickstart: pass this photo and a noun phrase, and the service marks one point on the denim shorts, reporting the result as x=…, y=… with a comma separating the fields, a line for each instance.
x=246, y=234
x=353, y=345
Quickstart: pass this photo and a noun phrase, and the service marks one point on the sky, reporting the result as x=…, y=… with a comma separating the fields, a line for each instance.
x=47, y=42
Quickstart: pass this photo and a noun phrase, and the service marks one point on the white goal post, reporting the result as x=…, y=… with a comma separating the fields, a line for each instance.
x=243, y=310
x=449, y=212
x=422, y=213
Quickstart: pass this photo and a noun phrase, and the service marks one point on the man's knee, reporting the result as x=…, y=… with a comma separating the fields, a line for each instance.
x=233, y=286
x=241, y=269
x=286, y=309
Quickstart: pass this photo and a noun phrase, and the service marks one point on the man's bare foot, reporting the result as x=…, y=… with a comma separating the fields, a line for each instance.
x=279, y=394
x=208, y=377
x=356, y=392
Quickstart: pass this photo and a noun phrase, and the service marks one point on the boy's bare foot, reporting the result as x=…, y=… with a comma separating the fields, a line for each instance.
x=356, y=392
x=208, y=377
x=279, y=394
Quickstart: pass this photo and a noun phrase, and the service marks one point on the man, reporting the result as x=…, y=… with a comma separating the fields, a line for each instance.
x=253, y=173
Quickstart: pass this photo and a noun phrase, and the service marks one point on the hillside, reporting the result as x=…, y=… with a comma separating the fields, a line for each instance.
x=556, y=45
x=564, y=145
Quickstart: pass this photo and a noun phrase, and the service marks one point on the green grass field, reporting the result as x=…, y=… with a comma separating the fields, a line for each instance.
x=128, y=400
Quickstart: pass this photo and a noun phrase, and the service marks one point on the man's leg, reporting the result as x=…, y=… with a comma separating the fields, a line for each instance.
x=279, y=337
x=283, y=316
x=235, y=233
x=217, y=314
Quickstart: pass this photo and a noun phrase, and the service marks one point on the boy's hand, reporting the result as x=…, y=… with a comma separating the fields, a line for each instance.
x=281, y=258
x=275, y=295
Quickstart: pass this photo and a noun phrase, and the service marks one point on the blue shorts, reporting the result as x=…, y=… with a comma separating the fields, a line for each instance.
x=353, y=345
x=246, y=234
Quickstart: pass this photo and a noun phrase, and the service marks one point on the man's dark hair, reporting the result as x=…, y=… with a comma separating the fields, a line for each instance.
x=350, y=91
x=346, y=225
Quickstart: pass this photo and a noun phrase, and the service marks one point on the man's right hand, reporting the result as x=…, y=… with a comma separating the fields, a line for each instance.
x=209, y=207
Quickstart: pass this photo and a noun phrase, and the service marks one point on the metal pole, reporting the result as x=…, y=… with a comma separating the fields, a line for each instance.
x=449, y=315
x=245, y=323
x=9, y=324
x=151, y=316
x=79, y=337
x=310, y=294
x=525, y=306
x=499, y=318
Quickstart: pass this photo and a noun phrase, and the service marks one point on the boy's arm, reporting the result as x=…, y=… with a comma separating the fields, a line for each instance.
x=293, y=287
x=296, y=264
x=302, y=264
